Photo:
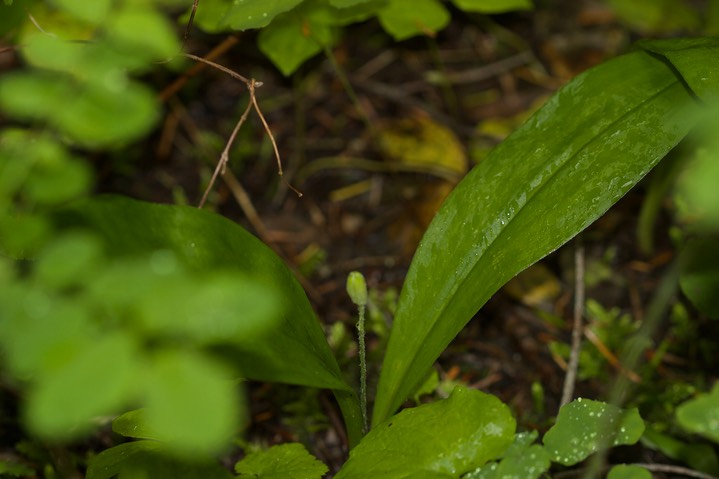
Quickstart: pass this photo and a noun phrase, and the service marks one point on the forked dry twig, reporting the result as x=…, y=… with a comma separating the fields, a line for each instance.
x=224, y=158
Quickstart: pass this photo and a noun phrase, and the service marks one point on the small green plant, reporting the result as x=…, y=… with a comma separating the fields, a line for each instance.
x=145, y=315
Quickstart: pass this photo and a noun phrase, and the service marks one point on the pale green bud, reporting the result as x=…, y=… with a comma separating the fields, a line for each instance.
x=357, y=288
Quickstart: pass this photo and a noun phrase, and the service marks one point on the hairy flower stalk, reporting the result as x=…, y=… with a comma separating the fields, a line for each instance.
x=357, y=290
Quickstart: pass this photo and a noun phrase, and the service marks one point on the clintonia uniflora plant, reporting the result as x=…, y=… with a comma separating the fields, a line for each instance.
x=187, y=301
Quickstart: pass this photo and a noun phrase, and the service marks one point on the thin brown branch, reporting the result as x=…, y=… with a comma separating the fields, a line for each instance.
x=274, y=146
x=571, y=377
x=251, y=85
x=243, y=199
x=676, y=470
x=666, y=468
x=225, y=156
x=611, y=357
x=232, y=73
x=189, y=23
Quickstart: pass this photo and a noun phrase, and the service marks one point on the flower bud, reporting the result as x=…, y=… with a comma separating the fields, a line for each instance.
x=357, y=288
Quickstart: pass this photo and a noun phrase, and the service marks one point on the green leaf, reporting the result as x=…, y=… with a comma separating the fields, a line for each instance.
x=623, y=471
x=98, y=380
x=193, y=402
x=223, y=309
x=522, y=459
x=656, y=16
x=158, y=40
x=69, y=260
x=145, y=459
x=222, y=15
x=22, y=235
x=110, y=462
x=696, y=59
x=295, y=352
x=492, y=6
x=443, y=439
x=93, y=12
x=99, y=115
x=286, y=461
x=12, y=15
x=584, y=427
x=136, y=425
x=9, y=468
x=108, y=114
x=699, y=274
x=40, y=333
x=347, y=3
x=697, y=455
x=296, y=36
x=701, y=415
x=406, y=18
x=574, y=158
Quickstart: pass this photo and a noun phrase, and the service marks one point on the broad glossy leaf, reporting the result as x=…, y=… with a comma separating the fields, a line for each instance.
x=135, y=424
x=444, y=439
x=657, y=16
x=492, y=6
x=406, y=18
x=584, y=427
x=699, y=274
x=574, y=158
x=286, y=461
x=148, y=459
x=296, y=352
x=696, y=59
x=110, y=462
x=701, y=415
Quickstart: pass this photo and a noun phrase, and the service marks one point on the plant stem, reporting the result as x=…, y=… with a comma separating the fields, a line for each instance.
x=363, y=367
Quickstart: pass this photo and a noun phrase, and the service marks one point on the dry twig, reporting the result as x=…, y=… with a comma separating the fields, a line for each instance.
x=189, y=23
x=571, y=376
x=251, y=85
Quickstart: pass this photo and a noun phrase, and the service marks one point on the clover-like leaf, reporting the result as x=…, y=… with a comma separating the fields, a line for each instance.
x=701, y=415
x=584, y=427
